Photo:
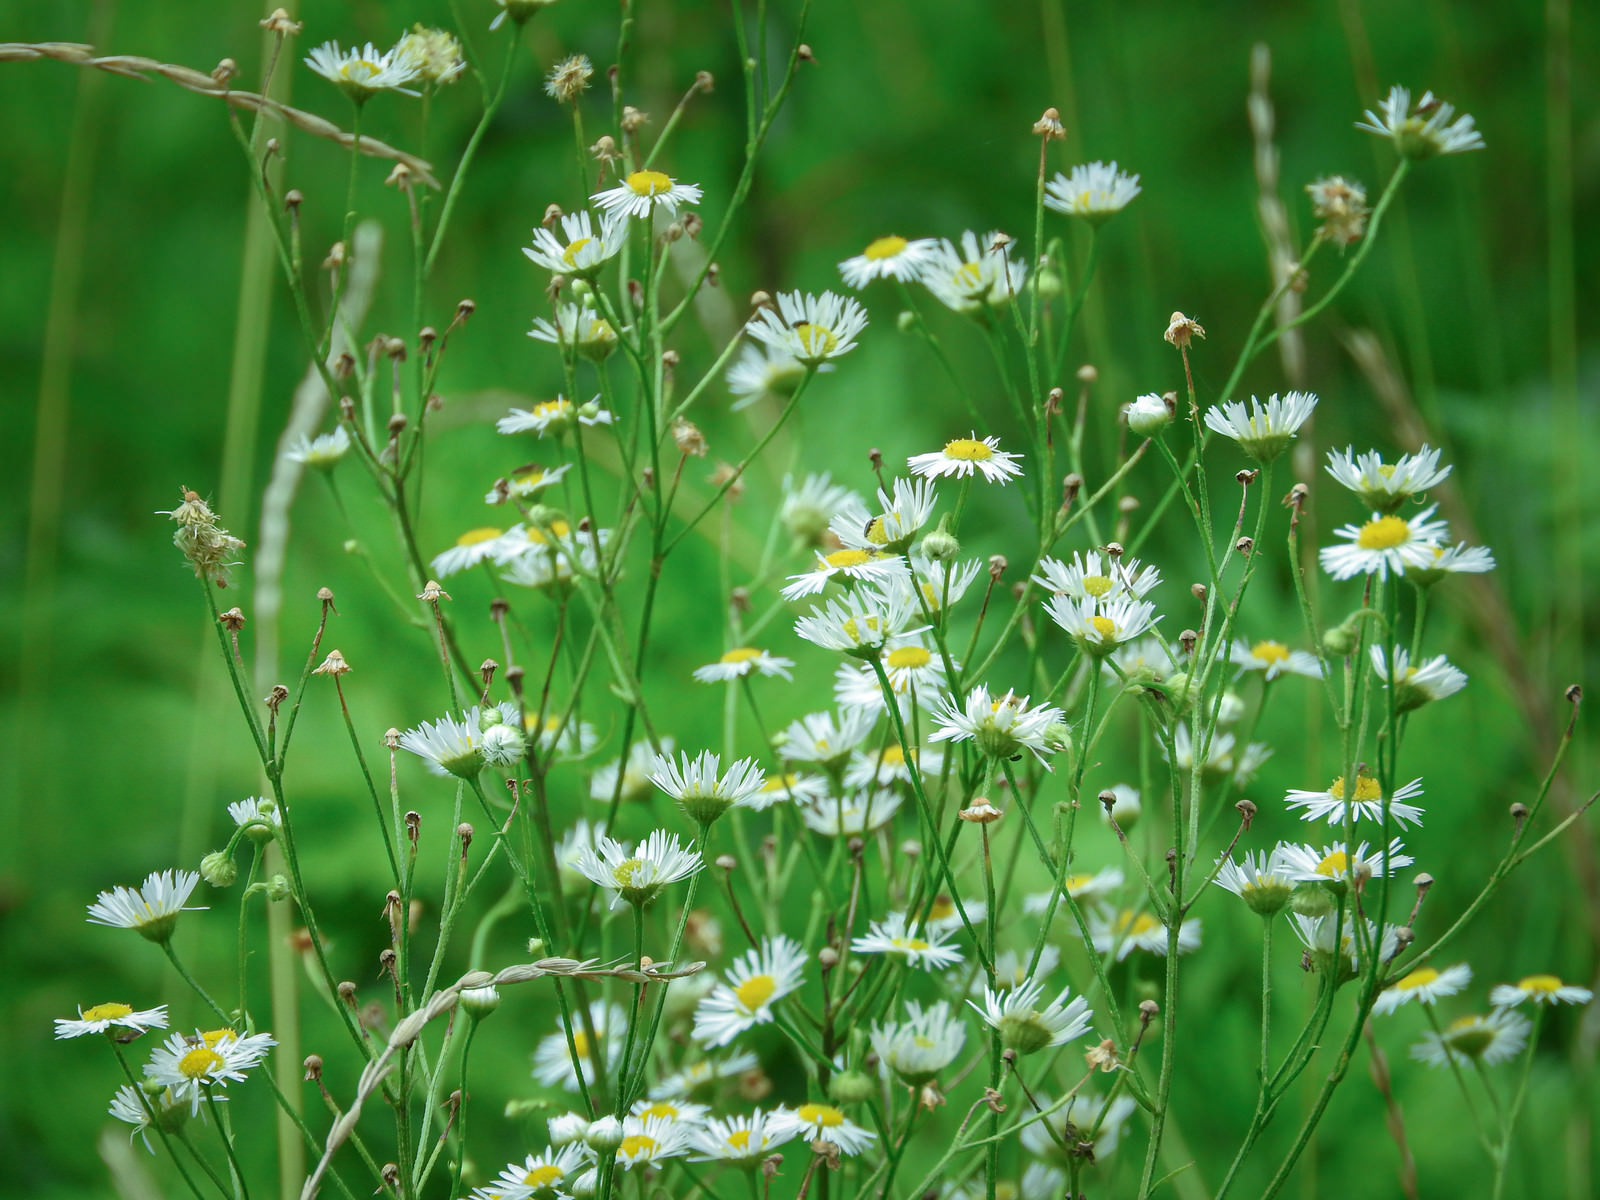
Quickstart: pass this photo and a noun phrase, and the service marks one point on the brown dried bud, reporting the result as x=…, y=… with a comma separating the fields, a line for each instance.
x=335, y=257
x=727, y=862
x=633, y=119
x=399, y=177
x=980, y=812
x=343, y=367
x=224, y=71
x=232, y=620
x=464, y=831
x=997, y=566
x=804, y=54
x=1423, y=882
x=413, y=820
x=705, y=82
x=281, y=23
x=1187, y=639
x=1128, y=504
x=1149, y=1010
x=1244, y=545
x=391, y=1174
x=293, y=199
x=1574, y=694
x=759, y=300
x=465, y=309
x=1247, y=811
x=276, y=696
x=313, y=1066
x=827, y=958
x=1114, y=550
x=334, y=664
x=347, y=993
x=1297, y=497
x=432, y=593
x=391, y=738
x=739, y=599
x=1198, y=591
x=688, y=438
x=1071, y=485
x=397, y=425
x=1049, y=126
x=1181, y=330
x=1102, y=1057
x=693, y=223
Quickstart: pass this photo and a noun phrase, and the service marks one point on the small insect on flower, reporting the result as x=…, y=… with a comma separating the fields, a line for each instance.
x=642, y=192
x=1383, y=545
x=151, y=909
x=811, y=329
x=966, y=457
x=1425, y=985
x=103, y=1017
x=586, y=247
x=756, y=980
x=928, y=949
x=1429, y=129
x=1095, y=191
x=1541, y=989
x=889, y=257
x=1490, y=1039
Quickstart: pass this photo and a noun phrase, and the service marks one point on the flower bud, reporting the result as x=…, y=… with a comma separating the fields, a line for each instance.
x=851, y=1087
x=567, y=1128
x=1148, y=415
x=604, y=1135
x=479, y=1002
x=278, y=889
x=218, y=869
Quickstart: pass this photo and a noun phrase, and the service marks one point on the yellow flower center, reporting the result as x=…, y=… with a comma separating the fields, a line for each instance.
x=106, y=1012
x=649, y=183
x=543, y=1177
x=820, y=1114
x=199, y=1063
x=625, y=872
x=741, y=654
x=755, y=991
x=1336, y=864
x=967, y=277
x=661, y=1108
x=1096, y=585
x=922, y=1042
x=359, y=70
x=1269, y=652
x=1542, y=985
x=1461, y=1023
x=915, y=945
x=600, y=331
x=852, y=630
x=849, y=558
x=739, y=1140
x=473, y=536
x=1421, y=977
x=1383, y=534
x=1077, y=882
x=638, y=1144
x=907, y=658
x=1367, y=789
x=884, y=247
x=552, y=408
x=1105, y=627
x=968, y=450
x=893, y=756
x=942, y=909
x=1386, y=470
x=780, y=783
x=1136, y=926
x=570, y=254
x=580, y=1042
x=818, y=341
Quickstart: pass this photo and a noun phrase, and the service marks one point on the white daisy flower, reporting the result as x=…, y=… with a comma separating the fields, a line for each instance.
x=1001, y=728
x=486, y=544
x=650, y=1141
x=152, y=908
x=943, y=584
x=256, y=810
x=437, y=54
x=858, y=624
x=1432, y=680
x=451, y=747
x=1335, y=864
x=811, y=329
x=1097, y=578
x=929, y=950
x=945, y=917
x=636, y=875
x=702, y=1074
x=1273, y=659
x=1431, y=128
x=1264, y=880
x=1221, y=762
x=741, y=661
x=824, y=1122
x=1460, y=559
x=1025, y=1024
x=756, y=980
x=1083, y=886
x=1263, y=431
x=581, y=330
x=102, y=1017
x=1093, y=190
x=962, y=457
x=1384, y=487
x=1425, y=985
x=362, y=74
x=192, y=1064
x=922, y=1045
x=667, y=1108
x=1147, y=415
x=1490, y=1039
x=914, y=672
x=1125, y=930
x=127, y=1106
x=824, y=738
x=701, y=792
x=1541, y=989
x=1072, y=1123
x=553, y=1063
x=764, y=371
x=525, y=483
x=849, y=566
x=322, y=452
x=582, y=249
x=789, y=786
x=540, y=1175
x=1011, y=969
x=887, y=764
x=1143, y=659
x=1367, y=802
x=642, y=192
x=1101, y=626
x=903, y=511
x=1316, y=935
x=852, y=815
x=980, y=274
x=807, y=509
x=743, y=1141
x=1384, y=544
x=890, y=257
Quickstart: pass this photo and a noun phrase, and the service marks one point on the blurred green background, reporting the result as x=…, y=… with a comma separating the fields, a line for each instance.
x=118, y=314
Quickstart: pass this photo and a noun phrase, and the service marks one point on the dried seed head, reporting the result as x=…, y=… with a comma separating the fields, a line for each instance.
x=1246, y=477
x=633, y=119
x=804, y=53
x=1244, y=545
x=693, y=224
x=232, y=620
x=688, y=438
x=1127, y=505
x=1071, y=485
x=432, y=593
x=997, y=566
x=1049, y=125
x=569, y=78
x=399, y=177
x=334, y=664
x=1198, y=591
x=1114, y=550
x=1182, y=330
x=1149, y=1010
x=313, y=1065
x=980, y=812
x=1187, y=639
x=1574, y=694
x=293, y=199
x=1247, y=811
x=282, y=24
x=1102, y=1057
x=276, y=696
x=827, y=958
x=347, y=993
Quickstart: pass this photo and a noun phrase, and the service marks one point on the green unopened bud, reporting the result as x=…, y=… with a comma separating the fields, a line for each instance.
x=906, y=321
x=582, y=289
x=1310, y=900
x=278, y=889
x=852, y=1087
x=604, y=1134
x=1341, y=639
x=941, y=545
x=218, y=869
x=1058, y=736
x=479, y=1002
x=535, y=948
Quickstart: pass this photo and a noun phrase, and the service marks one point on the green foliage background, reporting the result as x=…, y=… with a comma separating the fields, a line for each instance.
x=122, y=748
